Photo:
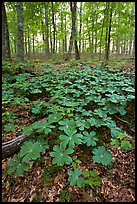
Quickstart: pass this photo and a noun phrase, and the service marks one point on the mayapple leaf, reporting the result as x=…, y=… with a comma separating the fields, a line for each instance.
x=74, y=178
x=90, y=139
x=61, y=155
x=102, y=156
x=55, y=117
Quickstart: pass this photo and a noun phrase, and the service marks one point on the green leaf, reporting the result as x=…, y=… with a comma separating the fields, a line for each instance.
x=54, y=118
x=86, y=173
x=9, y=127
x=75, y=179
x=115, y=142
x=102, y=156
x=61, y=155
x=126, y=145
x=31, y=151
x=89, y=138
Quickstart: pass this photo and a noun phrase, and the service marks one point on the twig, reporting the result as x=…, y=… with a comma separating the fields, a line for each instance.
x=124, y=121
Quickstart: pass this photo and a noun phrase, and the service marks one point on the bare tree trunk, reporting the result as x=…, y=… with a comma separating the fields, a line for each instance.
x=54, y=28
x=109, y=30
x=29, y=46
x=73, y=32
x=47, y=28
x=20, y=45
x=33, y=42
x=51, y=40
x=118, y=36
x=65, y=34
x=80, y=28
x=6, y=53
x=101, y=35
x=130, y=44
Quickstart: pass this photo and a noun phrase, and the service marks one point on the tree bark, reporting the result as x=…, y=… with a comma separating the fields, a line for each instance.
x=73, y=36
x=20, y=45
x=80, y=28
x=47, y=28
x=101, y=35
x=109, y=30
x=6, y=53
x=11, y=147
x=54, y=28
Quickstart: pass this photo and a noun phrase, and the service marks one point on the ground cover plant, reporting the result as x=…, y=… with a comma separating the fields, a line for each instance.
x=67, y=112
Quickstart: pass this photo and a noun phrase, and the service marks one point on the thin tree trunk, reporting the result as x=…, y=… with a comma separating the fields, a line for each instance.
x=118, y=37
x=47, y=29
x=25, y=45
x=80, y=28
x=101, y=35
x=51, y=40
x=65, y=34
x=20, y=45
x=109, y=30
x=29, y=46
x=130, y=44
x=54, y=28
x=6, y=53
x=33, y=42
x=73, y=32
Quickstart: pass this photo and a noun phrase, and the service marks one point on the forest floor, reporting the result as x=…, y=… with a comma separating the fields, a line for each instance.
x=117, y=182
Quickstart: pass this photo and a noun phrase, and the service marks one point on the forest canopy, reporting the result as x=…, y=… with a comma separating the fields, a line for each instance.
x=51, y=27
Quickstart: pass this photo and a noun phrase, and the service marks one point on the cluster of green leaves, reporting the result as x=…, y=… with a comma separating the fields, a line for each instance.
x=77, y=177
x=30, y=151
x=122, y=141
x=75, y=104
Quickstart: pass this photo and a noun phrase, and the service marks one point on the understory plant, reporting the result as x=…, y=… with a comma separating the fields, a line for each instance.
x=70, y=107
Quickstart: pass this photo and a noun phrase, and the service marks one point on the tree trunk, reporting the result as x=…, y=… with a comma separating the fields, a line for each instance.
x=80, y=28
x=47, y=28
x=29, y=47
x=118, y=37
x=109, y=30
x=130, y=44
x=101, y=35
x=51, y=40
x=73, y=32
x=6, y=53
x=20, y=45
x=54, y=28
x=65, y=34
x=33, y=42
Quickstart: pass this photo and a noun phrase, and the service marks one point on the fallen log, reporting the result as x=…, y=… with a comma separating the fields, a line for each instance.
x=12, y=146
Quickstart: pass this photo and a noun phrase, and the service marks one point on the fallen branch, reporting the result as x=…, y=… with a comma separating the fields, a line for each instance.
x=124, y=121
x=12, y=146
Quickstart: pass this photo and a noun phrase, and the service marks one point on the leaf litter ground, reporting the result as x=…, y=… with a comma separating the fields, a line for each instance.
x=118, y=183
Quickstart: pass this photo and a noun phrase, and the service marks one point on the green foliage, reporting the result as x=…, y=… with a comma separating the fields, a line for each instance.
x=48, y=173
x=14, y=165
x=90, y=139
x=74, y=104
x=64, y=195
x=74, y=178
x=9, y=127
x=102, y=156
x=31, y=151
x=60, y=155
x=71, y=138
x=122, y=142
x=92, y=177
